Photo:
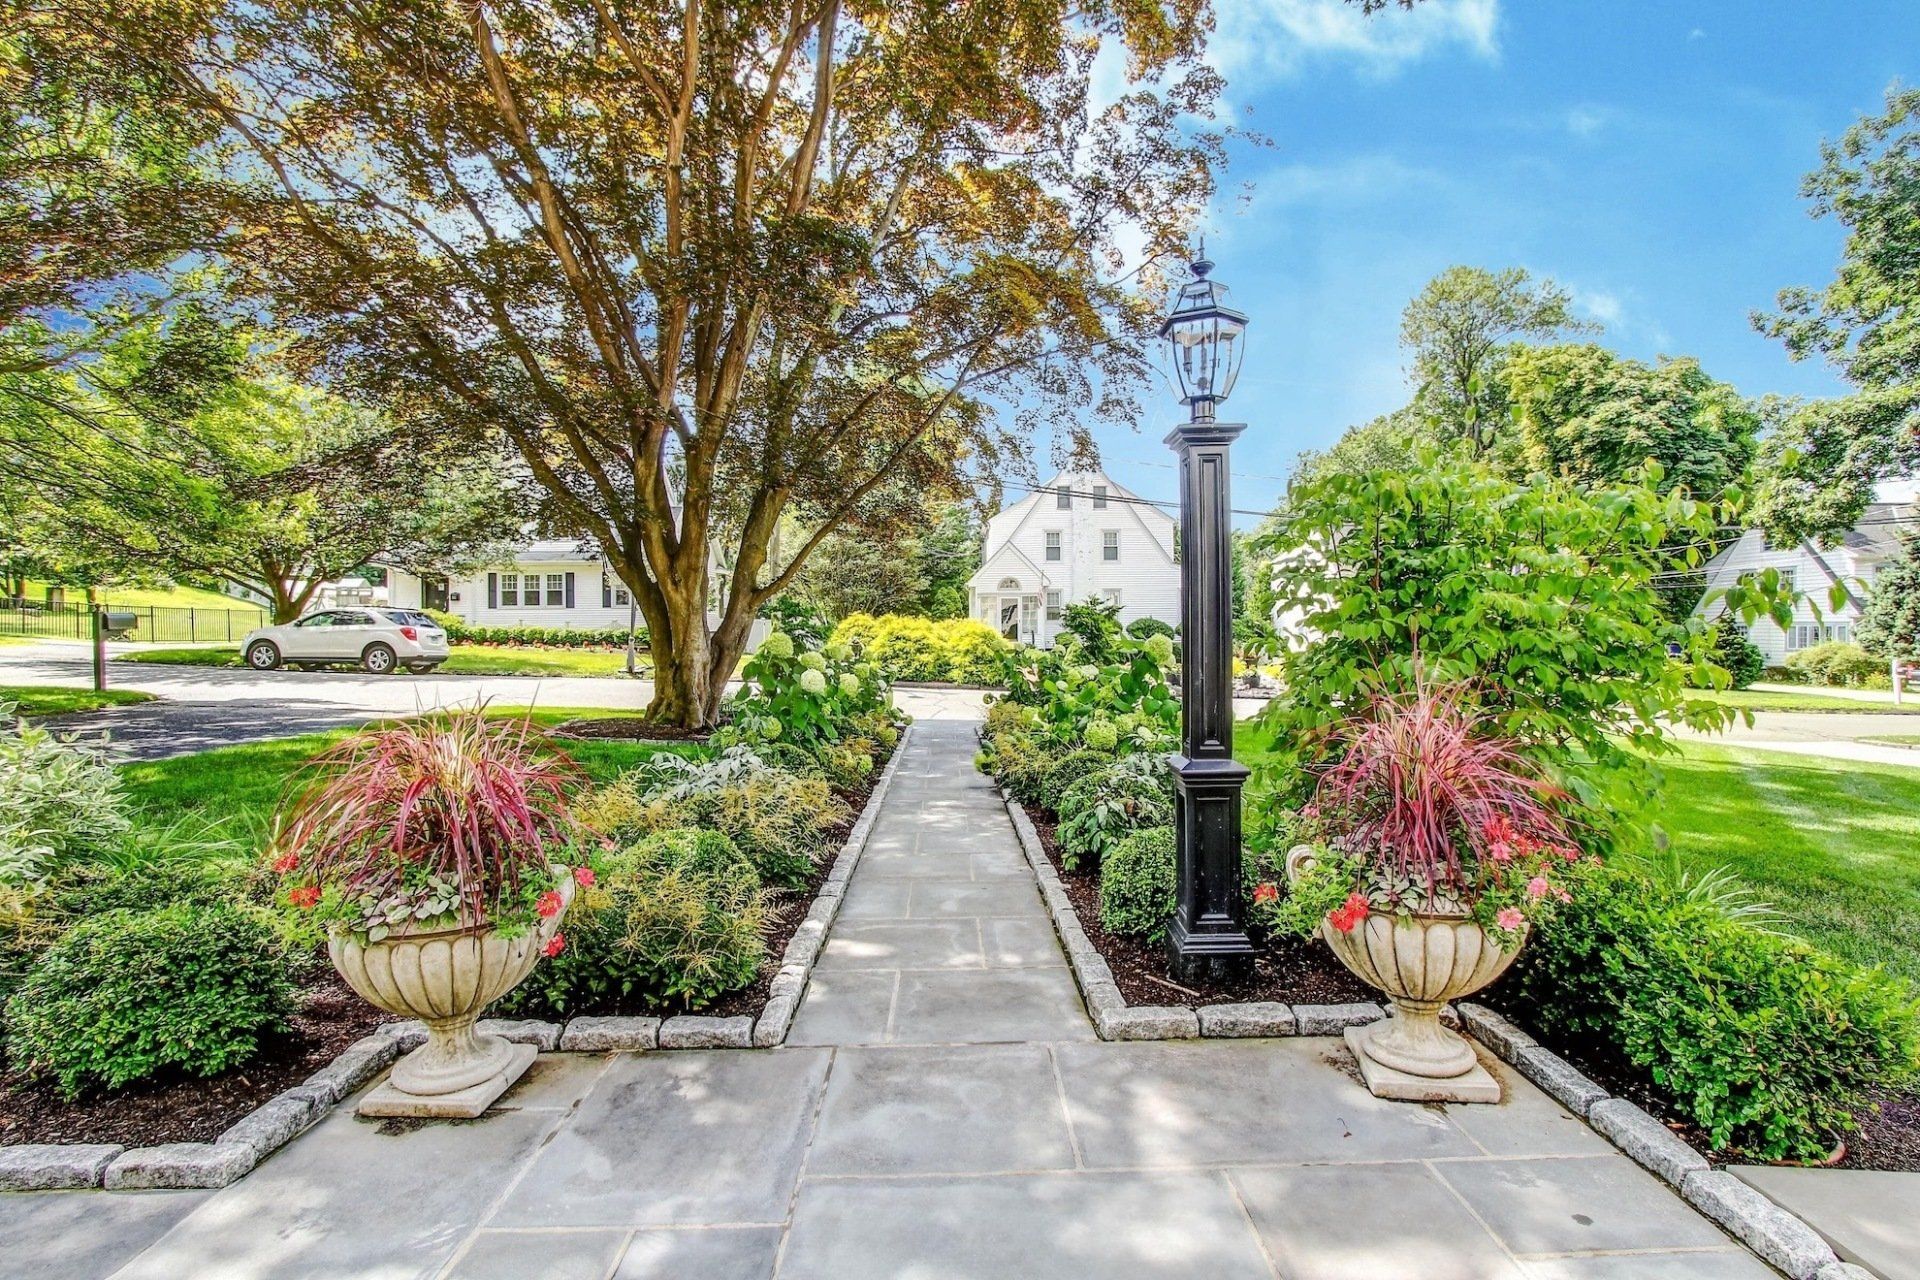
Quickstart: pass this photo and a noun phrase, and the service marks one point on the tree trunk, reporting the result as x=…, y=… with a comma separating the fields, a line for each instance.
x=685, y=693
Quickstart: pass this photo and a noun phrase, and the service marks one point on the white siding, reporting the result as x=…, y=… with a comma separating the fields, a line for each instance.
x=1144, y=575
x=1814, y=573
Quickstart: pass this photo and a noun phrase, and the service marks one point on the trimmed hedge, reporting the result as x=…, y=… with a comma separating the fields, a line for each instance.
x=460, y=631
x=1766, y=1043
x=1137, y=889
x=1839, y=664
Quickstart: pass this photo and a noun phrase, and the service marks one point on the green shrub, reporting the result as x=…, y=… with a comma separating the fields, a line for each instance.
x=1739, y=655
x=1838, y=664
x=63, y=800
x=1137, y=890
x=460, y=631
x=959, y=650
x=125, y=995
x=91, y=889
x=674, y=918
x=1767, y=1044
x=1064, y=773
x=1146, y=628
x=1129, y=794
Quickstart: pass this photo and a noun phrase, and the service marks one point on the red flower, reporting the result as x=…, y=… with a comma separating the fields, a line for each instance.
x=306, y=897
x=1266, y=892
x=286, y=862
x=583, y=876
x=1498, y=828
x=555, y=946
x=549, y=905
x=1350, y=913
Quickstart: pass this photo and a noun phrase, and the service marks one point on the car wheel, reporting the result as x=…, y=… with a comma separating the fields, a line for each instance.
x=263, y=655
x=377, y=659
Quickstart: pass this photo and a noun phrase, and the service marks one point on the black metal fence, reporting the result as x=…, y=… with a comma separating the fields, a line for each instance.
x=166, y=624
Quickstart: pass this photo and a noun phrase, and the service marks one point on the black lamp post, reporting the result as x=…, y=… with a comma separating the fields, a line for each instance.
x=1207, y=939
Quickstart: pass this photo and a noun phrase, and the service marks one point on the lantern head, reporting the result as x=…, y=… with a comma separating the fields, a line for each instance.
x=1205, y=340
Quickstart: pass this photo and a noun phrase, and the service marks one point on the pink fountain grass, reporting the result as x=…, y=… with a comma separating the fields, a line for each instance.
x=479, y=804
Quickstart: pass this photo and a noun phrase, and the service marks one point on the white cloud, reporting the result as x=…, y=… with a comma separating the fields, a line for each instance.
x=1598, y=304
x=1278, y=38
x=1584, y=121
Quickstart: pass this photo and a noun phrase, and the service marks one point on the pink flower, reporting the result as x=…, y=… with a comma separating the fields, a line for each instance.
x=1570, y=853
x=555, y=946
x=1500, y=851
x=1510, y=919
x=306, y=897
x=583, y=876
x=1266, y=892
x=549, y=905
x=1537, y=888
x=1498, y=829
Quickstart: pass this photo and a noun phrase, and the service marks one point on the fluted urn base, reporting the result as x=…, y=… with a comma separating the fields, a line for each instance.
x=446, y=978
x=1419, y=962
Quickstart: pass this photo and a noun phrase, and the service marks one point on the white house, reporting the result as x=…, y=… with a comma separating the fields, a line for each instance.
x=552, y=582
x=1813, y=571
x=1080, y=537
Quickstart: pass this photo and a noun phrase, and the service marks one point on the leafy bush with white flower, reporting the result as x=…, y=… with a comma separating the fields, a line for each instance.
x=62, y=800
x=811, y=699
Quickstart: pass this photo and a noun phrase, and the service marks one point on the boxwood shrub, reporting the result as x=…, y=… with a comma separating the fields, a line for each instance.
x=1137, y=884
x=126, y=995
x=1766, y=1043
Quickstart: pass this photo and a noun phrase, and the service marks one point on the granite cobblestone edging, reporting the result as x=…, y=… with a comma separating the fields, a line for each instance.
x=1776, y=1236
x=286, y=1115
x=1115, y=1019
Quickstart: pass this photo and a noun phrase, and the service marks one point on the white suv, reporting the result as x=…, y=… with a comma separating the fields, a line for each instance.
x=377, y=640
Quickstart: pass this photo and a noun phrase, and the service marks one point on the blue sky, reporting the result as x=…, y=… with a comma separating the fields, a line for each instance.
x=1646, y=155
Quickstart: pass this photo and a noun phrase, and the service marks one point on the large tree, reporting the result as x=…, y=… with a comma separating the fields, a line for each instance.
x=177, y=450
x=1890, y=623
x=1594, y=417
x=1826, y=458
x=701, y=264
x=1457, y=328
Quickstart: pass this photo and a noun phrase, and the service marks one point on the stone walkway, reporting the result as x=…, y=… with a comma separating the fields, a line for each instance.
x=942, y=1112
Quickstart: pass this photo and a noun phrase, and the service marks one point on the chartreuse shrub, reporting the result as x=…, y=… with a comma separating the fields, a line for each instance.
x=679, y=916
x=125, y=995
x=1127, y=795
x=1769, y=1045
x=959, y=650
x=1137, y=884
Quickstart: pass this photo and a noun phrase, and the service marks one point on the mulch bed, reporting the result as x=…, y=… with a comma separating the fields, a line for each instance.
x=1301, y=971
x=183, y=1109
x=625, y=729
x=1288, y=970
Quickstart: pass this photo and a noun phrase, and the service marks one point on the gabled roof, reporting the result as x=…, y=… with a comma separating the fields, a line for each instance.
x=1006, y=524
x=995, y=567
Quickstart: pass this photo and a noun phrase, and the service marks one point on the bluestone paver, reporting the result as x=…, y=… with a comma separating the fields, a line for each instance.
x=1590, y=1204
x=1869, y=1217
x=71, y=1235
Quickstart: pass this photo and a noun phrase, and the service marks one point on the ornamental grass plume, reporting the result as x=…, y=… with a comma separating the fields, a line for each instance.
x=1435, y=796
x=457, y=811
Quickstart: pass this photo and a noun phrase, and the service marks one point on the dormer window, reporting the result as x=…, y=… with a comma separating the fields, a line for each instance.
x=1063, y=499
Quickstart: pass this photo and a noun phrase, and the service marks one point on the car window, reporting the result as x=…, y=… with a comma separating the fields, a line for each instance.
x=410, y=618
x=354, y=618
x=316, y=620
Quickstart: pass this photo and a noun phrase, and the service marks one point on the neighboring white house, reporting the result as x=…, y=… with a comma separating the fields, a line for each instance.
x=552, y=582
x=1081, y=537
x=1813, y=570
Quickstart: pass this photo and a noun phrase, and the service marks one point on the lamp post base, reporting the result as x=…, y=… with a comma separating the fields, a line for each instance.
x=1205, y=940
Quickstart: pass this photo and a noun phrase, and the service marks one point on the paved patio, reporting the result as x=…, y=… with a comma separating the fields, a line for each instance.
x=942, y=1112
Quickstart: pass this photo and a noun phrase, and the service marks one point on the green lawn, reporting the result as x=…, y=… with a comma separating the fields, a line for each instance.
x=1893, y=739
x=145, y=597
x=1833, y=844
x=465, y=660
x=233, y=791
x=51, y=700
x=1765, y=700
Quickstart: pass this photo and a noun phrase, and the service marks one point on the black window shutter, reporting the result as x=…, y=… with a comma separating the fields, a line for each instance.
x=606, y=590
x=569, y=591
x=493, y=591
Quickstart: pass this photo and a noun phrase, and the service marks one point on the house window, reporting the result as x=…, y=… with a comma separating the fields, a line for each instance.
x=509, y=589
x=556, y=590
x=1053, y=544
x=616, y=590
x=1063, y=499
x=1099, y=497
x=1112, y=596
x=1053, y=606
x=1110, y=545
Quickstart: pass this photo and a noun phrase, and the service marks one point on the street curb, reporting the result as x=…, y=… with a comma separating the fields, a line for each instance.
x=1777, y=1237
x=1115, y=1019
x=286, y=1115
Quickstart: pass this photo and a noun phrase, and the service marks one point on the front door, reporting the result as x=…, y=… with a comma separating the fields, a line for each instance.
x=1010, y=617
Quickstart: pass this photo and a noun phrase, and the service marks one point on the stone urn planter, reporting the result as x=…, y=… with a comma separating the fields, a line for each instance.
x=1419, y=962
x=445, y=977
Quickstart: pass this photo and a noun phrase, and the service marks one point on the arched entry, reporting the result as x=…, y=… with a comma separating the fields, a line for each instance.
x=1012, y=610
